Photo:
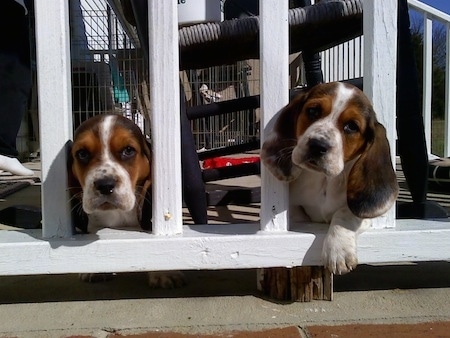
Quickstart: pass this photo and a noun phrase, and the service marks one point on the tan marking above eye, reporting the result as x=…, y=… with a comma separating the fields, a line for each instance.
x=122, y=141
x=313, y=112
x=353, y=125
x=321, y=105
x=314, y=109
x=352, y=121
x=87, y=143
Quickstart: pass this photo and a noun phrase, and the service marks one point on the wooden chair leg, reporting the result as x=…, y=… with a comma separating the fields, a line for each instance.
x=299, y=284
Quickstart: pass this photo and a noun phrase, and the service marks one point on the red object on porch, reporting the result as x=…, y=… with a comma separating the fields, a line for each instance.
x=219, y=162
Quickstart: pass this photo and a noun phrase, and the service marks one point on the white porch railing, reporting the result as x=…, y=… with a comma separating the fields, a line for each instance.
x=431, y=15
x=346, y=61
x=172, y=245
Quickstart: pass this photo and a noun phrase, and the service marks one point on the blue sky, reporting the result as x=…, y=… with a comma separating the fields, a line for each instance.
x=442, y=5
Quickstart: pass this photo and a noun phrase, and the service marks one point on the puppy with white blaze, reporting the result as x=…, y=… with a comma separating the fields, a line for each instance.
x=110, y=183
x=328, y=144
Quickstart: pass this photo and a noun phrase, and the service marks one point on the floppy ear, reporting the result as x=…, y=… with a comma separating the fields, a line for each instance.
x=276, y=152
x=372, y=184
x=79, y=217
x=145, y=218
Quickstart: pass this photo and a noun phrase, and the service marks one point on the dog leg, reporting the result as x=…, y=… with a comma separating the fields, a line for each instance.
x=166, y=279
x=339, y=252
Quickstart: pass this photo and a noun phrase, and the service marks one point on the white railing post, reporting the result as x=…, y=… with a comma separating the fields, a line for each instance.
x=447, y=94
x=427, y=77
x=274, y=75
x=380, y=71
x=165, y=121
x=431, y=15
x=55, y=112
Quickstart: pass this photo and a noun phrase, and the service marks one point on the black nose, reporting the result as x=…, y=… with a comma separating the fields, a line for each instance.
x=318, y=148
x=105, y=185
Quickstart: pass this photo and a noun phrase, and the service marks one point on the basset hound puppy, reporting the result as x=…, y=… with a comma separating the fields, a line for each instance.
x=110, y=182
x=328, y=144
x=110, y=172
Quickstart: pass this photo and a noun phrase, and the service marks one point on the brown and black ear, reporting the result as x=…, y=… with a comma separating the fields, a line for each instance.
x=79, y=217
x=276, y=151
x=372, y=184
x=146, y=212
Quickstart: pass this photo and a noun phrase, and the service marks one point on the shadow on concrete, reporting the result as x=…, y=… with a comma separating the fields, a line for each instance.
x=221, y=283
x=419, y=275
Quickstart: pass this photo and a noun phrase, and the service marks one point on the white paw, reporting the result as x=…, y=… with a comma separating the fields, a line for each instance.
x=166, y=280
x=95, y=277
x=339, y=251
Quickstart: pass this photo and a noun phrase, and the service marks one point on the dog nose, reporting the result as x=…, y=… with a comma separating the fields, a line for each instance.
x=318, y=147
x=105, y=185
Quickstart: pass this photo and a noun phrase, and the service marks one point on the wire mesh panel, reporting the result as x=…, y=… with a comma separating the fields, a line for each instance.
x=108, y=73
x=222, y=83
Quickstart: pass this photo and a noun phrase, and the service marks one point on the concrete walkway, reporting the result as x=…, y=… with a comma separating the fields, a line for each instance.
x=221, y=301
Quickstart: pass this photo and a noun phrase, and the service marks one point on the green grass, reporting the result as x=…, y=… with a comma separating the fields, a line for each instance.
x=437, y=137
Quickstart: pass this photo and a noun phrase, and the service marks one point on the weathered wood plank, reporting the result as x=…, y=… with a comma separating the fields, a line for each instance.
x=297, y=284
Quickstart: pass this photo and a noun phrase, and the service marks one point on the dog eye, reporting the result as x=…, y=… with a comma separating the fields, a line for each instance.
x=128, y=152
x=83, y=156
x=313, y=113
x=351, y=127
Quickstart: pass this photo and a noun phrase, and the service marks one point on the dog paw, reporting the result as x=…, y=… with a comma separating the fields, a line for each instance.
x=339, y=253
x=95, y=277
x=166, y=280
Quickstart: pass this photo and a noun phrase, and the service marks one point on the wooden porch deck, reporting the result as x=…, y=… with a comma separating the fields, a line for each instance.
x=230, y=213
x=250, y=212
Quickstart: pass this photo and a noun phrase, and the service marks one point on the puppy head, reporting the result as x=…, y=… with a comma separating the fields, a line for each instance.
x=322, y=130
x=331, y=128
x=110, y=160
